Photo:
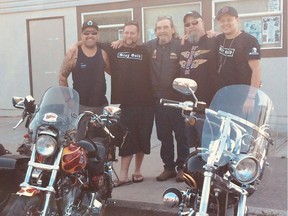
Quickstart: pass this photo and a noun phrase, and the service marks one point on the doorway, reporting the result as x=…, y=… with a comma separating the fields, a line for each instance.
x=46, y=47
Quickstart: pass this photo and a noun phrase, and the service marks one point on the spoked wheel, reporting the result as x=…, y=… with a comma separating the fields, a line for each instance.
x=25, y=206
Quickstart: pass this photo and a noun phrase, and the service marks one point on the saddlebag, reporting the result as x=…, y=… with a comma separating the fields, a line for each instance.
x=13, y=169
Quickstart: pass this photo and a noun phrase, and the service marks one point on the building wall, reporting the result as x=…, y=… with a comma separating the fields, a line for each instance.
x=14, y=68
x=274, y=84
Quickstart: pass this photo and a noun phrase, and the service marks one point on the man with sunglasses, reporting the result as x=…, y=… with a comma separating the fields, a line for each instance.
x=87, y=67
x=198, y=61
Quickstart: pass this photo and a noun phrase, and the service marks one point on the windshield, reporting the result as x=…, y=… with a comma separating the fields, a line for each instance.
x=227, y=123
x=59, y=107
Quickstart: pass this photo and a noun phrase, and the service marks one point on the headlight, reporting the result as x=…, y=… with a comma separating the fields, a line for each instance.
x=45, y=145
x=172, y=197
x=245, y=169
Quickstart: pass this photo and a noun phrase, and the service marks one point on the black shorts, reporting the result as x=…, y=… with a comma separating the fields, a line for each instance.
x=139, y=121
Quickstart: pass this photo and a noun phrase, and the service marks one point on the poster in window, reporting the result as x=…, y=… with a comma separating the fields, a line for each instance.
x=253, y=27
x=151, y=34
x=120, y=34
x=274, y=5
x=271, y=30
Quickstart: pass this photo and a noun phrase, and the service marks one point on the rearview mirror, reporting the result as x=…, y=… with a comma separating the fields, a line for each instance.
x=112, y=111
x=185, y=86
x=18, y=102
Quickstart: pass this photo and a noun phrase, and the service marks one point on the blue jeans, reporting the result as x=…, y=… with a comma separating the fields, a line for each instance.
x=169, y=120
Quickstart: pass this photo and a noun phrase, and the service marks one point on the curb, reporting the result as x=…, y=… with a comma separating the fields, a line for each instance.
x=132, y=208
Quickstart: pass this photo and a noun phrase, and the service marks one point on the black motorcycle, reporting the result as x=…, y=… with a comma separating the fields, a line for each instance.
x=70, y=169
x=229, y=164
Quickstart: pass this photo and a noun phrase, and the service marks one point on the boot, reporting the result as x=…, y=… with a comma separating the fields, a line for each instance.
x=179, y=177
x=166, y=174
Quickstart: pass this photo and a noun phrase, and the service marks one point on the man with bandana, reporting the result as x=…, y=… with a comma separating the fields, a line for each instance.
x=198, y=57
x=198, y=61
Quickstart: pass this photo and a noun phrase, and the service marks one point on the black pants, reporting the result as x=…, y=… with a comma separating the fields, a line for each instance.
x=169, y=121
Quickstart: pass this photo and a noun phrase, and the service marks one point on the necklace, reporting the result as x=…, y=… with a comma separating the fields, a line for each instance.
x=223, y=56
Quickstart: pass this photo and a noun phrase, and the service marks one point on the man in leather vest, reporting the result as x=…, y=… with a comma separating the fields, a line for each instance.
x=164, y=52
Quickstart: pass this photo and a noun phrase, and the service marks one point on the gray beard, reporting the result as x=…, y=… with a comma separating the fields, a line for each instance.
x=194, y=38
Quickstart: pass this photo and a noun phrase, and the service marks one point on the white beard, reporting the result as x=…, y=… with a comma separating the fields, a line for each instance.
x=194, y=37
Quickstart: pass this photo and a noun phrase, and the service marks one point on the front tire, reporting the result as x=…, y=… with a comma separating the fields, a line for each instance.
x=4, y=198
x=25, y=206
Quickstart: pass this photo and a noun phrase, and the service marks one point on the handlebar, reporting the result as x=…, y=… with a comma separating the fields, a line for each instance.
x=167, y=101
x=99, y=122
x=187, y=105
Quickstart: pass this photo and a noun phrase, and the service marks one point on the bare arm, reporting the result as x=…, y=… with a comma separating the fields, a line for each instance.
x=67, y=66
x=107, y=63
x=117, y=44
x=255, y=82
x=256, y=72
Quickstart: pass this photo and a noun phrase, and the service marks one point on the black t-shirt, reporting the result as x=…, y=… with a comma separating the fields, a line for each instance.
x=233, y=57
x=199, y=62
x=130, y=76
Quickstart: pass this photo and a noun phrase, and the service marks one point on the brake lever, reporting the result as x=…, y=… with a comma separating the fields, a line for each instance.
x=96, y=119
x=24, y=115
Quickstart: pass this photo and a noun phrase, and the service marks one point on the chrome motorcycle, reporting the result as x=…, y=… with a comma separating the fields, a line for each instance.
x=229, y=164
x=70, y=169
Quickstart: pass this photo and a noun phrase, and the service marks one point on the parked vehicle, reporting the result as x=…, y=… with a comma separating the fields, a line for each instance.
x=13, y=166
x=229, y=164
x=70, y=169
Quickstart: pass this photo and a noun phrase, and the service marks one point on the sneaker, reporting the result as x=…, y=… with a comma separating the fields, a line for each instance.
x=179, y=177
x=166, y=174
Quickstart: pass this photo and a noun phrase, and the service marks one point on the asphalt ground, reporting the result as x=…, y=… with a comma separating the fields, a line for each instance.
x=145, y=198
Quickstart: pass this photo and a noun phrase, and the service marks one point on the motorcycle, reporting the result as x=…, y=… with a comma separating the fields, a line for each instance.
x=13, y=166
x=71, y=165
x=229, y=164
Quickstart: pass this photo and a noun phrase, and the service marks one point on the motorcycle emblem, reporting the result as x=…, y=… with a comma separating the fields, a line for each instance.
x=50, y=117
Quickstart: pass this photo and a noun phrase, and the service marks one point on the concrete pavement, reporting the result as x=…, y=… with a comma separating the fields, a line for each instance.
x=145, y=198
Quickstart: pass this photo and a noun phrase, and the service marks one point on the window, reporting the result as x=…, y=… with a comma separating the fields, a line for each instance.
x=177, y=12
x=110, y=23
x=261, y=18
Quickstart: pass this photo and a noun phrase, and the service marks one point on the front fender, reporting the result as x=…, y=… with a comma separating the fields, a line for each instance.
x=12, y=169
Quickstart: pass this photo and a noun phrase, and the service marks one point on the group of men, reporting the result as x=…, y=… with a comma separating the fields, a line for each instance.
x=143, y=74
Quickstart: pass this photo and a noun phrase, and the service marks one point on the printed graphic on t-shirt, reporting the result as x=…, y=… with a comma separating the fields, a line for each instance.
x=173, y=55
x=83, y=65
x=254, y=52
x=129, y=55
x=228, y=52
x=189, y=64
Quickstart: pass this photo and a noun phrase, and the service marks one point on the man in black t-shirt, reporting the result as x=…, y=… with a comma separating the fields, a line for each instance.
x=239, y=55
x=198, y=58
x=131, y=88
x=198, y=61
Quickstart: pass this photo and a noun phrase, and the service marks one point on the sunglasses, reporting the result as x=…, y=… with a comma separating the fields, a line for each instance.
x=89, y=32
x=191, y=23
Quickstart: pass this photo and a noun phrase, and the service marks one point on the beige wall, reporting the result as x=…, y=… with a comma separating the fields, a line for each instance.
x=14, y=68
x=275, y=85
